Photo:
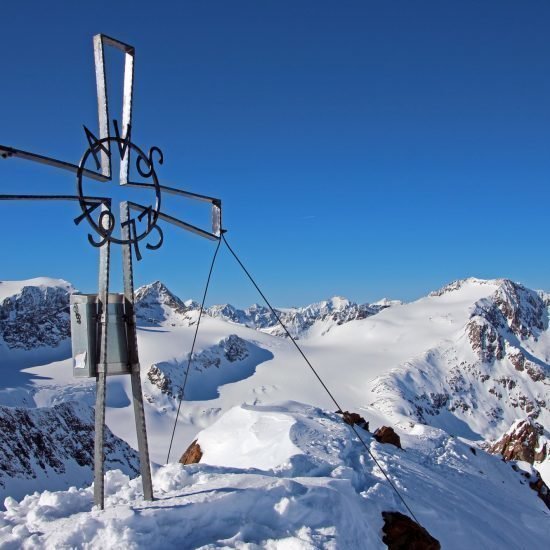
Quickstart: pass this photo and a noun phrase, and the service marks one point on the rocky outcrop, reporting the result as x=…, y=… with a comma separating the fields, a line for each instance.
x=37, y=316
x=354, y=419
x=37, y=443
x=192, y=455
x=229, y=356
x=402, y=533
x=512, y=311
x=386, y=434
x=521, y=442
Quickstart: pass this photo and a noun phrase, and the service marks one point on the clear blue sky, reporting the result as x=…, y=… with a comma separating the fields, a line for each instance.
x=361, y=148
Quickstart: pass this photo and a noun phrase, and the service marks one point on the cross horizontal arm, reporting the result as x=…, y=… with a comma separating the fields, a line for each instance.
x=178, y=223
x=175, y=191
x=8, y=152
x=94, y=200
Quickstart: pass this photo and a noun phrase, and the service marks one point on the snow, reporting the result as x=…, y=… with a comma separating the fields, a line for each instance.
x=277, y=455
x=11, y=288
x=321, y=492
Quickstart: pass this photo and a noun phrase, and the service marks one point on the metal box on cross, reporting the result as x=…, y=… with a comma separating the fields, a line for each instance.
x=84, y=333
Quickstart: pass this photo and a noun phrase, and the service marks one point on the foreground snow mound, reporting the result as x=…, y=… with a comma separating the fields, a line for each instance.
x=293, y=476
x=53, y=447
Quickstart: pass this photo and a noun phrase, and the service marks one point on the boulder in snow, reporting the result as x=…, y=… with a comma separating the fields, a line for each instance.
x=386, y=434
x=402, y=533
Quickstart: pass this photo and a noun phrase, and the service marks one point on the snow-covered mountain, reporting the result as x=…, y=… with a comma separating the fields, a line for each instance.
x=34, y=313
x=492, y=370
x=466, y=362
x=156, y=305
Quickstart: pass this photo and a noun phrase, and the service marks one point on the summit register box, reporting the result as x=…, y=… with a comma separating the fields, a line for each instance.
x=85, y=333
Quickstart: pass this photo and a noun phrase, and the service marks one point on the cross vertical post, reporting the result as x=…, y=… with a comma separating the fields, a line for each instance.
x=110, y=347
x=133, y=356
x=101, y=375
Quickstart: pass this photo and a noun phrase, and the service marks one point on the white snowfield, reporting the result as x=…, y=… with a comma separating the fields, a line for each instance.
x=293, y=477
x=447, y=371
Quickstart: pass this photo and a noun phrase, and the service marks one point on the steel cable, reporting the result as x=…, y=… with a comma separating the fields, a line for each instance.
x=318, y=376
x=190, y=360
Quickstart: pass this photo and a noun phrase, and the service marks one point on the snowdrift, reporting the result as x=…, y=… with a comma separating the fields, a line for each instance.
x=293, y=476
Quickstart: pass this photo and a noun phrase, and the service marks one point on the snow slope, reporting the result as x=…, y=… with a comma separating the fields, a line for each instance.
x=317, y=490
x=469, y=359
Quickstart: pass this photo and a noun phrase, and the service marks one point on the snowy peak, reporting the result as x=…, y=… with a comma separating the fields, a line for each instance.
x=488, y=368
x=461, y=283
x=300, y=321
x=155, y=304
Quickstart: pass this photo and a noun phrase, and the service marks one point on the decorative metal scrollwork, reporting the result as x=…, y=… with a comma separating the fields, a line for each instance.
x=105, y=223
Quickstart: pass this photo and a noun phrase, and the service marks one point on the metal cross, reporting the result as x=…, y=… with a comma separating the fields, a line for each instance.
x=96, y=164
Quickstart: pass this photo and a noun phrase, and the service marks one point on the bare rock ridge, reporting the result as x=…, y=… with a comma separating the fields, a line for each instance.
x=55, y=445
x=230, y=360
x=169, y=377
x=521, y=442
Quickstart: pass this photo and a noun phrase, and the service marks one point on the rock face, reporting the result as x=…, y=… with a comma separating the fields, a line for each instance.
x=169, y=378
x=521, y=442
x=512, y=311
x=192, y=455
x=55, y=445
x=35, y=316
x=231, y=360
x=386, y=434
x=402, y=533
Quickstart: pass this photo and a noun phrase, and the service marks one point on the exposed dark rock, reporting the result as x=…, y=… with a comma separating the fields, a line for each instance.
x=520, y=442
x=386, y=434
x=517, y=359
x=35, y=317
x=192, y=455
x=41, y=440
x=485, y=340
x=402, y=533
x=352, y=418
x=541, y=488
x=234, y=348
